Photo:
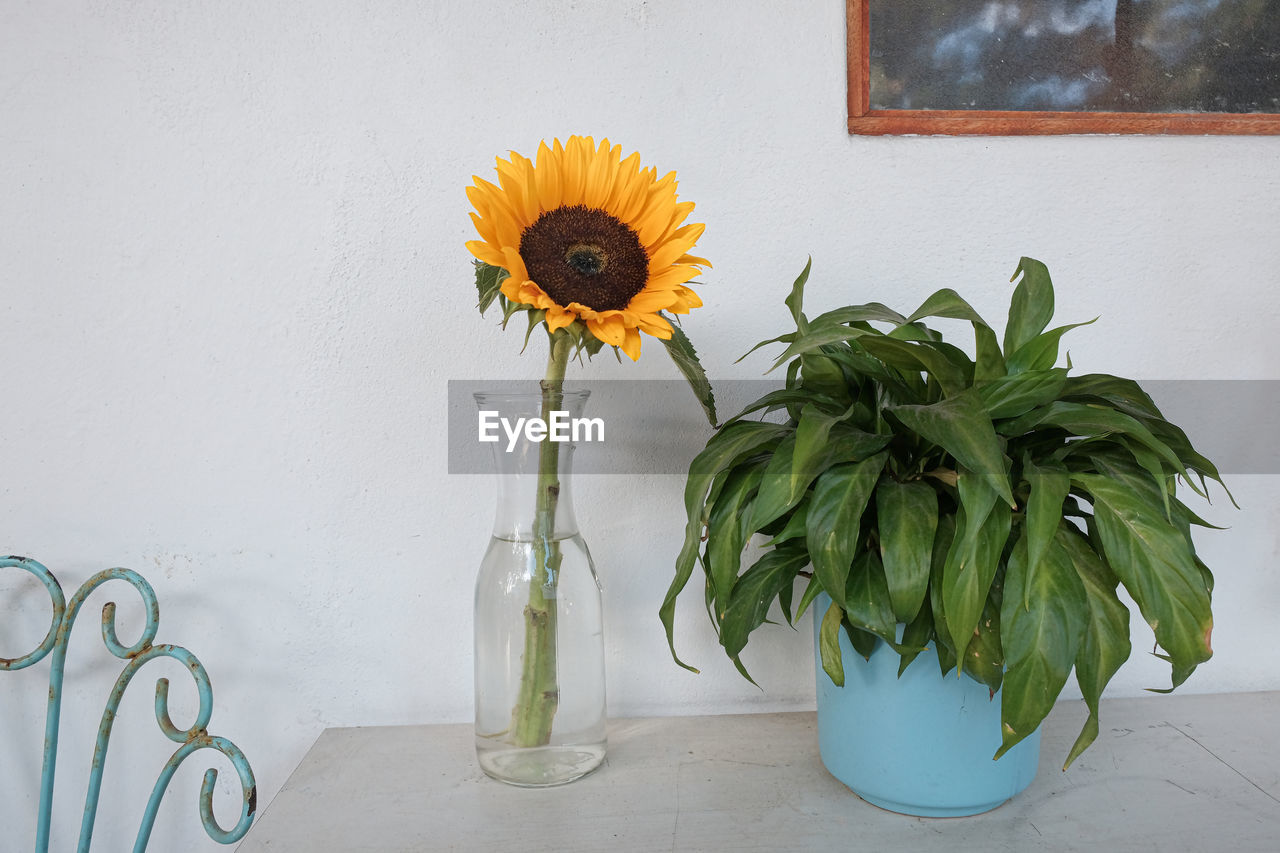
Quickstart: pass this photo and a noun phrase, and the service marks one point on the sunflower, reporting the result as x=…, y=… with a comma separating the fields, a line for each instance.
x=585, y=235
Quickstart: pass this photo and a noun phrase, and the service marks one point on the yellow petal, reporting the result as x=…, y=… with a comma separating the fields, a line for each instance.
x=693, y=259
x=483, y=251
x=654, y=325
x=574, y=173
x=687, y=301
x=656, y=220
x=628, y=173
x=484, y=228
x=669, y=278
x=547, y=175
x=514, y=176
x=558, y=318
x=511, y=289
x=503, y=216
x=609, y=329
x=631, y=203
x=514, y=264
x=631, y=345
x=677, y=244
x=648, y=301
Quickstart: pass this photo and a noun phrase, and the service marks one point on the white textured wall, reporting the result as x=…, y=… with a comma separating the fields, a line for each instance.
x=233, y=287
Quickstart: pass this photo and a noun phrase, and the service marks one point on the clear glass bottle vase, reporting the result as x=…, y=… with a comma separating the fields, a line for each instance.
x=539, y=641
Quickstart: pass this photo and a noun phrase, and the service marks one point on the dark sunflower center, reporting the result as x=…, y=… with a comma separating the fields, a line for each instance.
x=584, y=255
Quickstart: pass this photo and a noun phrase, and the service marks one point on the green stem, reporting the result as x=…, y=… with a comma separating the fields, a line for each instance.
x=539, y=695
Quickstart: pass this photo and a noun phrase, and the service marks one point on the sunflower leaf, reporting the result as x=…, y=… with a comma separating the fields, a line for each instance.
x=489, y=283
x=681, y=350
x=591, y=344
x=510, y=309
x=535, y=317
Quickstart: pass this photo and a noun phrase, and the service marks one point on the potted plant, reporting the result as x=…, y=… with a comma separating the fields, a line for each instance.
x=977, y=511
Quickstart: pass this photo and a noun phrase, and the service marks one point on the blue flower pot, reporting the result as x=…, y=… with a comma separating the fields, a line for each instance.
x=920, y=744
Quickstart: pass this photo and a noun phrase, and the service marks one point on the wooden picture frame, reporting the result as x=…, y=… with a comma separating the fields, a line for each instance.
x=865, y=120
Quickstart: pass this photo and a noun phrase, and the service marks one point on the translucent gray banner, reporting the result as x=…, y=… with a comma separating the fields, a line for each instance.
x=657, y=426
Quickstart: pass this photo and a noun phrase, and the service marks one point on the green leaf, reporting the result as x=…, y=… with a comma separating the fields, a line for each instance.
x=871, y=311
x=866, y=598
x=820, y=374
x=780, y=339
x=913, y=332
x=784, y=599
x=723, y=450
x=1041, y=352
x=1105, y=644
x=811, y=591
x=1041, y=638
x=863, y=642
x=961, y=365
x=1086, y=420
x=1017, y=394
x=783, y=397
x=861, y=364
x=727, y=532
x=795, y=300
x=815, y=337
x=591, y=345
x=829, y=644
x=510, y=309
x=984, y=657
x=989, y=361
x=1154, y=561
x=681, y=350
x=961, y=427
x=796, y=524
x=775, y=495
x=535, y=318
x=1119, y=466
x=982, y=528
x=915, y=357
x=1031, y=308
x=840, y=495
x=907, y=516
x=915, y=636
x=815, y=448
x=947, y=303
x=1050, y=482
x=489, y=283
x=1124, y=393
x=754, y=593
x=942, y=544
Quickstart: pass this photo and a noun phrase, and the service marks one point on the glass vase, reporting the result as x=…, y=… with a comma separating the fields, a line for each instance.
x=539, y=641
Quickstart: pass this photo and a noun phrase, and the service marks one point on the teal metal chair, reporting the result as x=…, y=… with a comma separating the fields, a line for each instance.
x=135, y=656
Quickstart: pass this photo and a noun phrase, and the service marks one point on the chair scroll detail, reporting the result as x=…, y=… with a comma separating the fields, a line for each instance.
x=190, y=740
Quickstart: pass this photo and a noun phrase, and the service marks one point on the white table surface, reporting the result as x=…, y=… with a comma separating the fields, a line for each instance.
x=1168, y=773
